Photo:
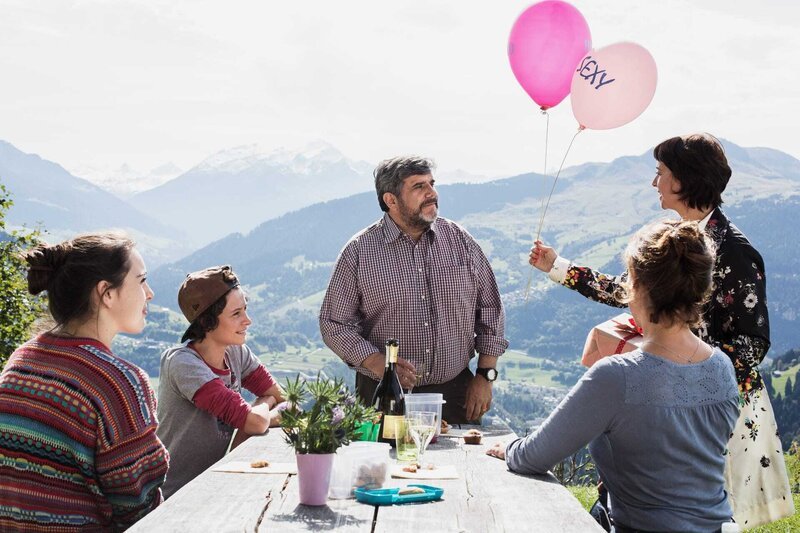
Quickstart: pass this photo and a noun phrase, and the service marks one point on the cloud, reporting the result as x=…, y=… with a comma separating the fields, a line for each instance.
x=103, y=83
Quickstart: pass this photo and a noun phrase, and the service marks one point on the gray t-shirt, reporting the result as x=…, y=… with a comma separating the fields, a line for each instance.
x=658, y=433
x=195, y=438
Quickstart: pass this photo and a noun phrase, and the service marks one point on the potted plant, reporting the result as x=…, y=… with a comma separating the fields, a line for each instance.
x=320, y=417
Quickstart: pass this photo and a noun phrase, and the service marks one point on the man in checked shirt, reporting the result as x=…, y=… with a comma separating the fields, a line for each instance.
x=423, y=280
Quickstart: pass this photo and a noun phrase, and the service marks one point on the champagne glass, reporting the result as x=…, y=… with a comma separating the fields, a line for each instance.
x=417, y=377
x=422, y=426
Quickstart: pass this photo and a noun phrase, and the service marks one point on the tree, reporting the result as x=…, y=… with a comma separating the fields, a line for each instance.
x=577, y=469
x=18, y=309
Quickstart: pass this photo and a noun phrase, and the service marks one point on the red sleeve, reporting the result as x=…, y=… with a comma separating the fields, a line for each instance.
x=259, y=381
x=229, y=406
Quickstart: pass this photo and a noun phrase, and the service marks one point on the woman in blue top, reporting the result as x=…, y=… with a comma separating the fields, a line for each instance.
x=692, y=173
x=657, y=420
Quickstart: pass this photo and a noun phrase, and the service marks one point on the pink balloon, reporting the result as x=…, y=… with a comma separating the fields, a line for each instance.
x=547, y=40
x=613, y=85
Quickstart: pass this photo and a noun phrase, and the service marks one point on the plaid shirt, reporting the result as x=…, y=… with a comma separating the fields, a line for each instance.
x=438, y=297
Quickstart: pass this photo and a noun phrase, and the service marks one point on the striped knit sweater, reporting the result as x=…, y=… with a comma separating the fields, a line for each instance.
x=78, y=445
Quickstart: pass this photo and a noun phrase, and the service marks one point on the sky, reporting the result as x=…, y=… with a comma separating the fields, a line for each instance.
x=98, y=83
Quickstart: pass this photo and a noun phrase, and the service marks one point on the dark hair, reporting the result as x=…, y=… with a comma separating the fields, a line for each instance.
x=208, y=320
x=672, y=262
x=389, y=174
x=71, y=270
x=699, y=164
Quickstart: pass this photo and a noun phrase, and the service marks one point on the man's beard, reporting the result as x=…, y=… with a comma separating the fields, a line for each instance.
x=415, y=218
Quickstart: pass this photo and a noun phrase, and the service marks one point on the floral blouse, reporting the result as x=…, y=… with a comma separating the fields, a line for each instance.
x=735, y=317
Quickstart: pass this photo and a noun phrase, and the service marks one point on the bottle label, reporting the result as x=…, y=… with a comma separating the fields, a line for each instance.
x=389, y=425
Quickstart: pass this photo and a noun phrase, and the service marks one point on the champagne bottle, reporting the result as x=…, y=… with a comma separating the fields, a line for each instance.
x=388, y=398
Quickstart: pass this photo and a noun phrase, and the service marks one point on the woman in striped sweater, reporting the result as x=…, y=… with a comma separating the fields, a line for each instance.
x=78, y=445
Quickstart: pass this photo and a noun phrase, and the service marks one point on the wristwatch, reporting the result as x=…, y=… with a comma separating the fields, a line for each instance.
x=489, y=373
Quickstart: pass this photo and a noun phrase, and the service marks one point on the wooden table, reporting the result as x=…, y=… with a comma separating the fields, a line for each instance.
x=486, y=497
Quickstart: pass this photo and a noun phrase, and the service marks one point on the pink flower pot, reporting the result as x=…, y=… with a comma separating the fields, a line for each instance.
x=314, y=476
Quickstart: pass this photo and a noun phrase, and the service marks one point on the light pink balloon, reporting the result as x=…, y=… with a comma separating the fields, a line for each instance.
x=613, y=85
x=547, y=40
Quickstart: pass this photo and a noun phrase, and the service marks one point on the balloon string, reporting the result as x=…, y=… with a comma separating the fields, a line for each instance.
x=553, y=188
x=544, y=183
x=546, y=141
x=547, y=204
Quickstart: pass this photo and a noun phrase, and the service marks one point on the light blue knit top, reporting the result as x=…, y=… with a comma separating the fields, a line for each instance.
x=657, y=432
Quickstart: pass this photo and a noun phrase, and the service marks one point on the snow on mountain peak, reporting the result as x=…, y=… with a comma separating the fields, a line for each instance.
x=126, y=180
x=306, y=160
x=233, y=159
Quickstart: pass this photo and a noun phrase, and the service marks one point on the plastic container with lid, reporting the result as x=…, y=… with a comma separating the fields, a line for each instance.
x=360, y=464
x=426, y=402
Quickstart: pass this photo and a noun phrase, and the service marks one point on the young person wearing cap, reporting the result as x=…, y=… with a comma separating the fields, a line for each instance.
x=199, y=400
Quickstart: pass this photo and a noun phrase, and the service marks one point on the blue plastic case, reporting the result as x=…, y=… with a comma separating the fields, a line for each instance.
x=391, y=496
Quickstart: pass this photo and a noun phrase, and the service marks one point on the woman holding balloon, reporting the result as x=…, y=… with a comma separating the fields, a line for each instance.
x=692, y=173
x=550, y=54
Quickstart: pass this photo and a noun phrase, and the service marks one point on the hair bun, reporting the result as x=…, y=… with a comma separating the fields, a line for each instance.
x=43, y=262
x=672, y=262
x=673, y=237
x=685, y=238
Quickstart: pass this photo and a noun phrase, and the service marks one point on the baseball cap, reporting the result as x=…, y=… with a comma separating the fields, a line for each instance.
x=201, y=289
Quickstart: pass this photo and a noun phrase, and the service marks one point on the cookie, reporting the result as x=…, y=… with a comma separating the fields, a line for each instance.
x=473, y=436
x=410, y=490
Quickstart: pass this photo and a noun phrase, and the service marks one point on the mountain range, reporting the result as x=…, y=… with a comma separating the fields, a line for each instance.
x=46, y=195
x=235, y=190
x=230, y=191
x=260, y=208
x=125, y=180
x=286, y=262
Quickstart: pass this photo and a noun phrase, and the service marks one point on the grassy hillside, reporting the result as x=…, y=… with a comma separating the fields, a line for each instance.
x=515, y=366
x=307, y=361
x=519, y=367
x=588, y=495
x=779, y=382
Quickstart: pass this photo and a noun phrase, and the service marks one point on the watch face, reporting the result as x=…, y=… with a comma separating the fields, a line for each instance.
x=489, y=373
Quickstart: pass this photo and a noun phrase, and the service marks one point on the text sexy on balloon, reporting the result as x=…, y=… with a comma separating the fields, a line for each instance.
x=590, y=70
